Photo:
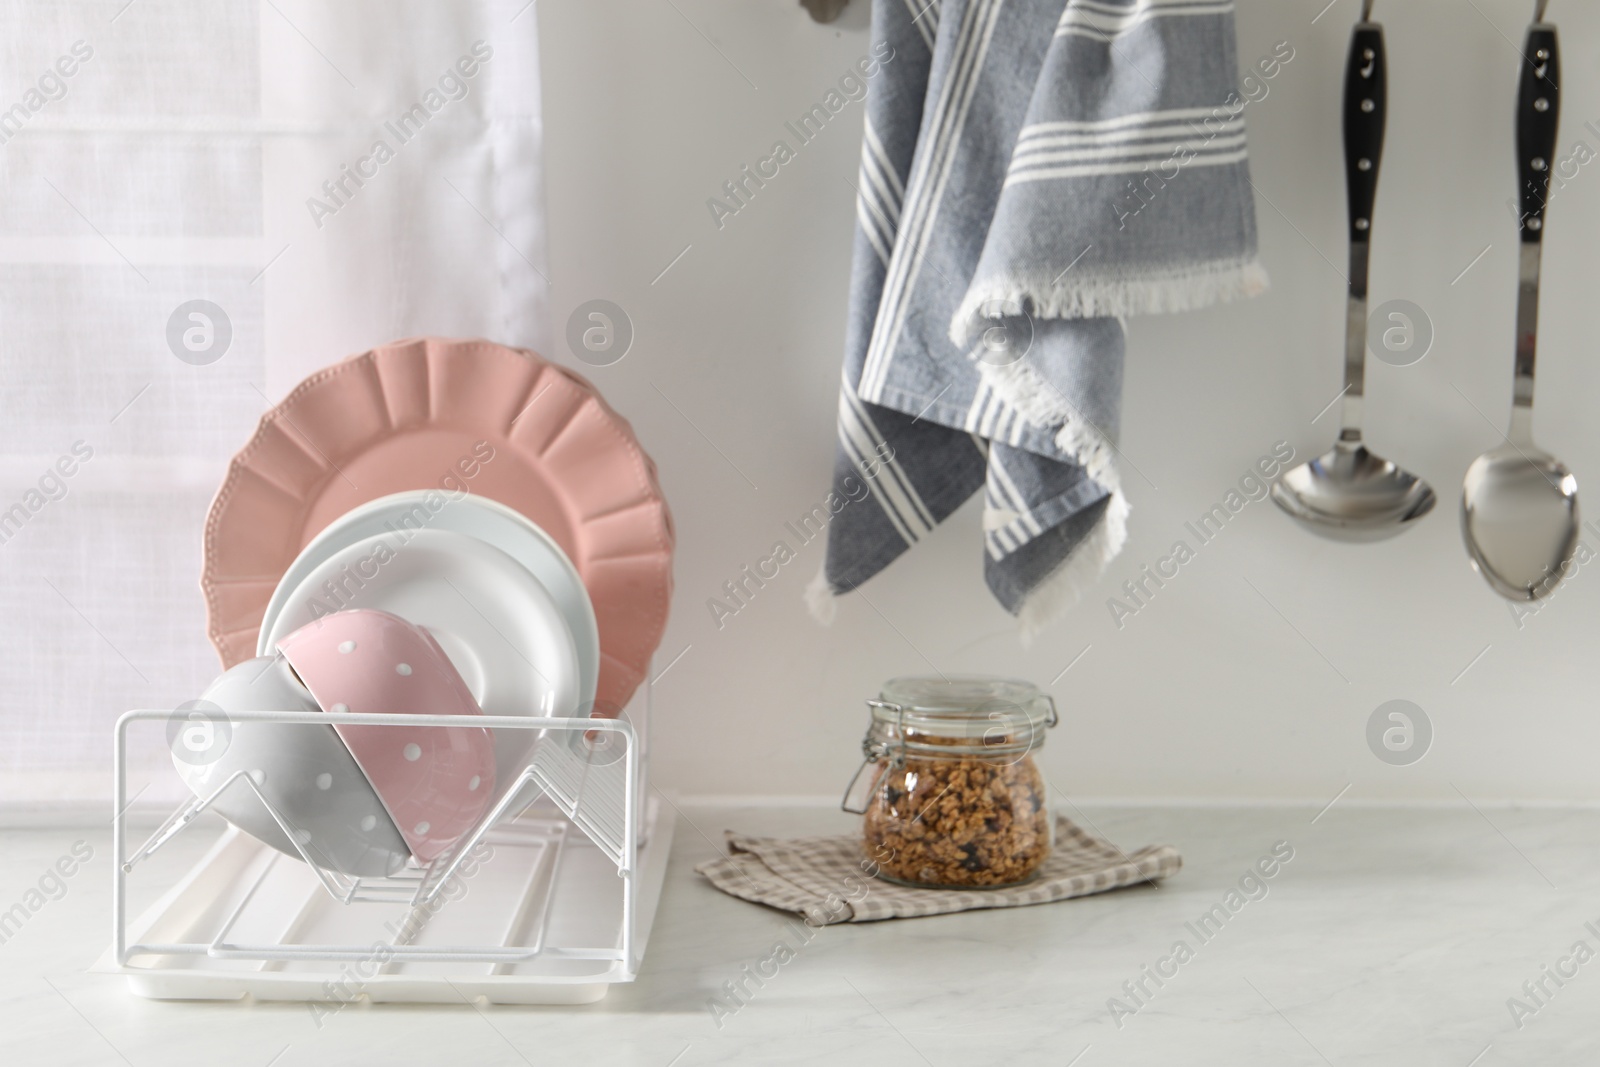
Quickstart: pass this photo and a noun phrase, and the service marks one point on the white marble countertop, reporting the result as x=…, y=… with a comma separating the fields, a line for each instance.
x=1393, y=936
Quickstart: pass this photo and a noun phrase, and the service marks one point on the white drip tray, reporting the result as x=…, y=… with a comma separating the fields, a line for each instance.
x=249, y=921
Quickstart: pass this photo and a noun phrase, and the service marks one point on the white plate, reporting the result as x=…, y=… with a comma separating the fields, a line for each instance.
x=476, y=516
x=496, y=622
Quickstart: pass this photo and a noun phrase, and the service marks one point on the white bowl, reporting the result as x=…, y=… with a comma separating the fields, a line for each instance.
x=304, y=771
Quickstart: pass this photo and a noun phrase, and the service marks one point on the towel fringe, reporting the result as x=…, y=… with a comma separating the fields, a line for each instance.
x=1106, y=296
x=821, y=600
x=1044, y=405
x=1066, y=585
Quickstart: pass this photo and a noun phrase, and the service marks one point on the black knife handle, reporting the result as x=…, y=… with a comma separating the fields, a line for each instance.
x=1538, y=116
x=1366, y=85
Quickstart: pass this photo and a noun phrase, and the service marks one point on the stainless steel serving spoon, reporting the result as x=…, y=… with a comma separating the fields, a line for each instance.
x=1349, y=493
x=1519, y=505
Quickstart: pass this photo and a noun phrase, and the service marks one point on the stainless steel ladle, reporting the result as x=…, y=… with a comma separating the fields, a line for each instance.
x=1519, y=505
x=1349, y=493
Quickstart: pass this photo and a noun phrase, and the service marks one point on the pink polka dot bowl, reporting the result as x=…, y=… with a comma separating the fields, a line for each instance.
x=435, y=783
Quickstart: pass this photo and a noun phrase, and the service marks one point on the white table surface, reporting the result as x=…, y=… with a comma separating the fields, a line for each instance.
x=1394, y=936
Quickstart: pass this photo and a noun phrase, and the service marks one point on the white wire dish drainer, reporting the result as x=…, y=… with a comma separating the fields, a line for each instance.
x=563, y=875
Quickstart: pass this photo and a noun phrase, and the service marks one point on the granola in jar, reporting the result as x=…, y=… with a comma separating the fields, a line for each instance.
x=953, y=797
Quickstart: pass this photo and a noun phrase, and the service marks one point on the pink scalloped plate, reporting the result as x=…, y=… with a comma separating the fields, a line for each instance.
x=453, y=416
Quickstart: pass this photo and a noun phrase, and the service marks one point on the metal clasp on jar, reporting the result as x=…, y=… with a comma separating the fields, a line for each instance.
x=874, y=750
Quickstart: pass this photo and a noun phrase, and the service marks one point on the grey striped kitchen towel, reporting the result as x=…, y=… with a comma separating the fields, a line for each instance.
x=825, y=879
x=1031, y=171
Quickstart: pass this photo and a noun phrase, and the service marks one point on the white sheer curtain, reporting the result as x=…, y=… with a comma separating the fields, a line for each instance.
x=161, y=152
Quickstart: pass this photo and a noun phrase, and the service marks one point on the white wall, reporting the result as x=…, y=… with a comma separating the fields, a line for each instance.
x=1209, y=691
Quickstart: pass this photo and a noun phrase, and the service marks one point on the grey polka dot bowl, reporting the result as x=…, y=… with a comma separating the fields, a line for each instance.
x=305, y=772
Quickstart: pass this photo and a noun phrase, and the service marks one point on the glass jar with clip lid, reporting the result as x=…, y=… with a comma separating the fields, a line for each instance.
x=949, y=789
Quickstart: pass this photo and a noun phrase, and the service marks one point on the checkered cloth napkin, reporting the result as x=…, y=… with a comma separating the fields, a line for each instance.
x=826, y=879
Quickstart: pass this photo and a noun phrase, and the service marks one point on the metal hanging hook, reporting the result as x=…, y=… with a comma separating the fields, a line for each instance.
x=1366, y=10
x=1538, y=11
